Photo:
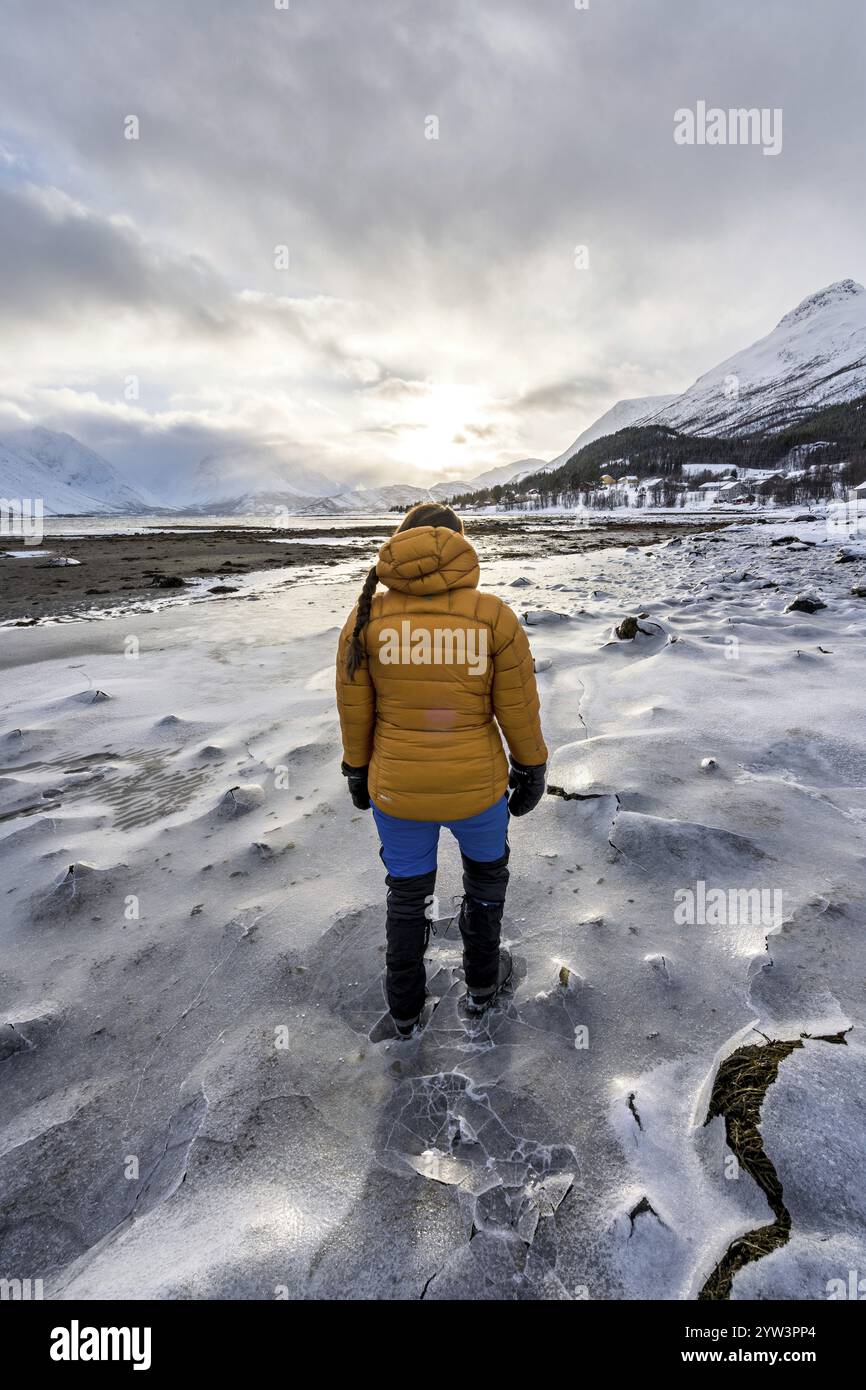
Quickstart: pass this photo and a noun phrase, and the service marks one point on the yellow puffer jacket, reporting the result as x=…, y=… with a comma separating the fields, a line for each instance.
x=442, y=662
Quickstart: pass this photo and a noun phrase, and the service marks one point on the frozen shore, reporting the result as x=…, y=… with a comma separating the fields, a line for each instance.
x=193, y=946
x=99, y=568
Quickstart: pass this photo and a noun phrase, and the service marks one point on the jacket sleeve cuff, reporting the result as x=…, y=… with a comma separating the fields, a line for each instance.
x=526, y=767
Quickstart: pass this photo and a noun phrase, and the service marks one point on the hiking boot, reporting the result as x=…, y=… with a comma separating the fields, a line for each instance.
x=406, y=1026
x=477, y=1000
x=410, y=1027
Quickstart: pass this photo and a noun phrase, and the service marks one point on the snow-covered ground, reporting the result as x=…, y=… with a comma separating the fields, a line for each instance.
x=193, y=1105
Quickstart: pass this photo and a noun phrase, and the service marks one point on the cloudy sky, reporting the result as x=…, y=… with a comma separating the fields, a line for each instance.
x=427, y=318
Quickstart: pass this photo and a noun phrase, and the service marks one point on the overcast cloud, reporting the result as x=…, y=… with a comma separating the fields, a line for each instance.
x=431, y=321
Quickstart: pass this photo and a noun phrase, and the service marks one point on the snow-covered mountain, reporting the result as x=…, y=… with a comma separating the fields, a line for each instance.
x=443, y=492
x=491, y=477
x=257, y=472
x=376, y=500
x=69, y=478
x=264, y=503
x=635, y=410
x=264, y=482
x=508, y=473
x=814, y=357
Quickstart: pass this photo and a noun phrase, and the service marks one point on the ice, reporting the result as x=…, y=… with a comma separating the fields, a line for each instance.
x=813, y=1122
x=194, y=1051
x=807, y=1267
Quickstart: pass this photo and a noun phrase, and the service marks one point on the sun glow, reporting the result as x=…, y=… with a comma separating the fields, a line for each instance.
x=445, y=431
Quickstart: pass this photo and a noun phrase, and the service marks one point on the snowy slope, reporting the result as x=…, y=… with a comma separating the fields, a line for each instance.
x=507, y=473
x=491, y=477
x=65, y=474
x=263, y=481
x=443, y=492
x=267, y=503
x=814, y=357
x=251, y=472
x=375, y=500
x=635, y=411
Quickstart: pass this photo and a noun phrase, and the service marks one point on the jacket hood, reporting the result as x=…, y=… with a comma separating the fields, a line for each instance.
x=428, y=560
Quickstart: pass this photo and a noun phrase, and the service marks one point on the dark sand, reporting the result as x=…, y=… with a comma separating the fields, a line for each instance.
x=154, y=564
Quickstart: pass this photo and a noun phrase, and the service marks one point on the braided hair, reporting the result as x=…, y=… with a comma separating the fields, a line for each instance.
x=355, y=654
x=424, y=514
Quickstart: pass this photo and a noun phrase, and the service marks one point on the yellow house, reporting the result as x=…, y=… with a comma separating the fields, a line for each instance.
x=606, y=480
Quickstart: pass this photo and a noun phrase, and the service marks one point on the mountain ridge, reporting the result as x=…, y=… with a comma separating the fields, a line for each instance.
x=814, y=357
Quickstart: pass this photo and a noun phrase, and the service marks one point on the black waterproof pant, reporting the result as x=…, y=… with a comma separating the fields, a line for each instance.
x=484, y=886
x=408, y=931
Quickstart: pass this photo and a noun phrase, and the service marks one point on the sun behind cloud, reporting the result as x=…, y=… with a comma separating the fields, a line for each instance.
x=435, y=429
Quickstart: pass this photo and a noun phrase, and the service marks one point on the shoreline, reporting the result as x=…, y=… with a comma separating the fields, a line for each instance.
x=117, y=570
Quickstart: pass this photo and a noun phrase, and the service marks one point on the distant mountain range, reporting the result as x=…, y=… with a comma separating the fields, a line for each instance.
x=238, y=474
x=261, y=502
x=814, y=358
x=222, y=484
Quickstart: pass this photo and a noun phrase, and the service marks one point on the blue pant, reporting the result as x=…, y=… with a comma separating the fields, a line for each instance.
x=409, y=846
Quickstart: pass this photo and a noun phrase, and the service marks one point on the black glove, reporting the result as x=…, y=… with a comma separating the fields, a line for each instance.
x=357, y=777
x=527, y=787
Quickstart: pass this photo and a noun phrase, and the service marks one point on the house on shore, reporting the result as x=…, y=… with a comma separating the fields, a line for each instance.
x=733, y=490
x=649, y=490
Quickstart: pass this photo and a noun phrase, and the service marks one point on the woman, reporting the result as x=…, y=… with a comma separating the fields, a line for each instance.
x=423, y=671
